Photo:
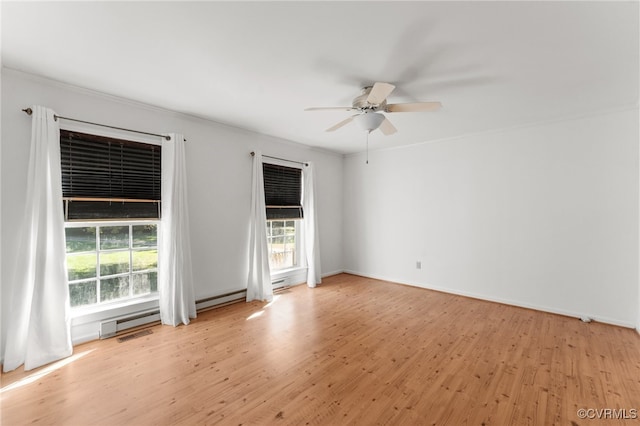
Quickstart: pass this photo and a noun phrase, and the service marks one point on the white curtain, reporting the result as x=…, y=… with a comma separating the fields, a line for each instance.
x=175, y=278
x=311, y=237
x=38, y=329
x=259, y=283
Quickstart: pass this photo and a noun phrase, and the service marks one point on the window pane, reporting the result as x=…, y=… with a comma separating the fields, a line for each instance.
x=83, y=293
x=281, y=260
x=80, y=239
x=114, y=288
x=114, y=237
x=276, y=227
x=114, y=263
x=145, y=283
x=81, y=266
x=145, y=259
x=145, y=235
x=289, y=259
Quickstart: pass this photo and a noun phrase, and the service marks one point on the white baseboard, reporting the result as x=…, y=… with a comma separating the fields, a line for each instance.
x=504, y=301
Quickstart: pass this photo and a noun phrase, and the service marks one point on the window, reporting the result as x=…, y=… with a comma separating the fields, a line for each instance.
x=111, y=194
x=282, y=193
x=108, y=262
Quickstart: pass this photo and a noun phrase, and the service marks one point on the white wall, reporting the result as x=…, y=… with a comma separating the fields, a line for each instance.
x=219, y=175
x=543, y=216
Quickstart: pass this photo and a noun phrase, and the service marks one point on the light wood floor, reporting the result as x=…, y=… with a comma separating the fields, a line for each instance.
x=352, y=351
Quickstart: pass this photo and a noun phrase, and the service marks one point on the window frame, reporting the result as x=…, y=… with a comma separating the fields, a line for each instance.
x=296, y=274
x=83, y=318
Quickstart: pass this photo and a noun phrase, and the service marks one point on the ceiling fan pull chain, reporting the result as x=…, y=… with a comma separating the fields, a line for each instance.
x=368, y=146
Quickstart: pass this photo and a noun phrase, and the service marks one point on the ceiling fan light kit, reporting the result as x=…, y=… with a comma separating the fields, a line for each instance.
x=370, y=121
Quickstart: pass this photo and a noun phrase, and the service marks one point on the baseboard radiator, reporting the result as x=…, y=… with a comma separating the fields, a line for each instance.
x=115, y=326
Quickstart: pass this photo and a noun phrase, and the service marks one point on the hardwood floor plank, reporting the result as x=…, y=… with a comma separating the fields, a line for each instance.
x=353, y=351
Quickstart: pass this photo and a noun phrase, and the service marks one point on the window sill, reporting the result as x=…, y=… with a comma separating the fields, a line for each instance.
x=94, y=313
x=290, y=276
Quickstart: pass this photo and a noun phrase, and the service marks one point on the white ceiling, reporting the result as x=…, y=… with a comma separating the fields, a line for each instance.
x=257, y=65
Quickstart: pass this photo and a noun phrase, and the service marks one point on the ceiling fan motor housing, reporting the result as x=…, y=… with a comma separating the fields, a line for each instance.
x=360, y=102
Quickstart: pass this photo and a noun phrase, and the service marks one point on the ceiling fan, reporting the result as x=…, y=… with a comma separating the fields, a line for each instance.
x=371, y=103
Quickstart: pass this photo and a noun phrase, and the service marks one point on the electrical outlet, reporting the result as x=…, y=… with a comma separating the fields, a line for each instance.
x=418, y=265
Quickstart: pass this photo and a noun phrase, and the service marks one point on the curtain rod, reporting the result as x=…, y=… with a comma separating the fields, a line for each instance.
x=29, y=111
x=281, y=159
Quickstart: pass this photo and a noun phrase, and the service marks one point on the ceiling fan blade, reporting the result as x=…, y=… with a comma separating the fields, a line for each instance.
x=414, y=107
x=387, y=128
x=341, y=124
x=379, y=93
x=329, y=109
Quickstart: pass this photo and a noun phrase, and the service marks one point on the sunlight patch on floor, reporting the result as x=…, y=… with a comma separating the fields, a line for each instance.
x=260, y=312
x=45, y=371
x=255, y=315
